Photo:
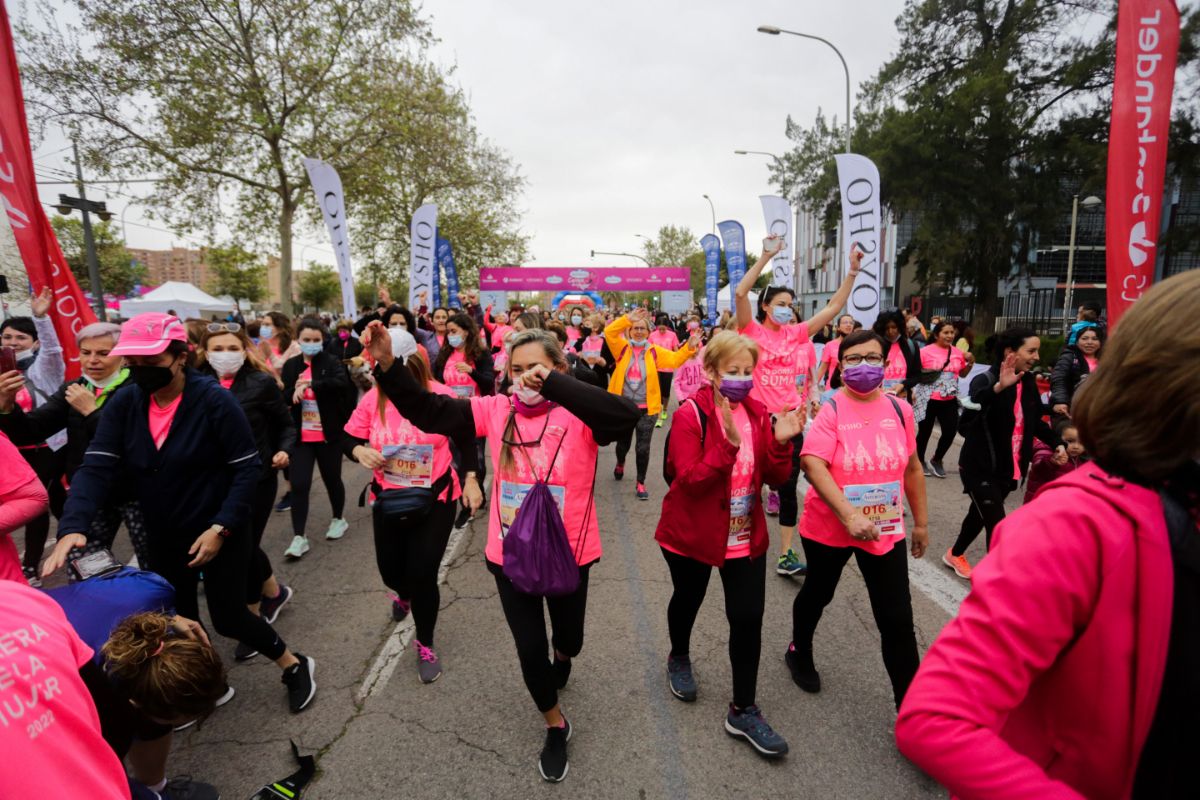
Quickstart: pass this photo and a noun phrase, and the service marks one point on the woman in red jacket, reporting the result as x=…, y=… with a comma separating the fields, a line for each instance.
x=723, y=447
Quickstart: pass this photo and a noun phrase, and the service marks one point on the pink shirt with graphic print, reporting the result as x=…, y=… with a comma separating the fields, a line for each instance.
x=778, y=362
x=933, y=356
x=741, y=487
x=461, y=383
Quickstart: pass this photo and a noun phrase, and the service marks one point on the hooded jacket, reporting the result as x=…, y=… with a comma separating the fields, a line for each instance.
x=987, y=452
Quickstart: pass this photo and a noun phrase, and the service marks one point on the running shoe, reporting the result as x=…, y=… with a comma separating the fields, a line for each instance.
x=804, y=672
x=285, y=503
x=960, y=565
x=789, y=564
x=301, y=687
x=222, y=700
x=31, y=577
x=400, y=609
x=553, y=762
x=680, y=678
x=750, y=725
x=429, y=669
x=659, y=423
x=926, y=469
x=297, y=548
x=181, y=788
x=938, y=470
x=337, y=528
x=772, y=504
x=464, y=516
x=562, y=672
x=270, y=606
x=243, y=652
x=642, y=494
x=619, y=471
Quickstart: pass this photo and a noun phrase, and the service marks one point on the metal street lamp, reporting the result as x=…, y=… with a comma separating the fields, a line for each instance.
x=1089, y=203
x=86, y=208
x=774, y=31
x=627, y=255
x=714, y=214
x=755, y=153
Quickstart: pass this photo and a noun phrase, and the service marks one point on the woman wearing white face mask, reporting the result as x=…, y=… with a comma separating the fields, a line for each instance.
x=465, y=365
x=275, y=342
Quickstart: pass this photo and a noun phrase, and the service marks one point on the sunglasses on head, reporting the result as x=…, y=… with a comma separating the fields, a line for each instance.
x=223, y=327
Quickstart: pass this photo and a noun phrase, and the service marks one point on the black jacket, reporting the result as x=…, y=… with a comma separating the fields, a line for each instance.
x=1068, y=372
x=330, y=383
x=269, y=416
x=987, y=444
x=343, y=350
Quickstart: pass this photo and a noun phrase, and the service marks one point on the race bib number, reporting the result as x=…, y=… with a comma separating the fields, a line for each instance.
x=513, y=494
x=880, y=503
x=310, y=416
x=740, y=507
x=891, y=383
x=408, y=465
x=591, y=354
x=463, y=390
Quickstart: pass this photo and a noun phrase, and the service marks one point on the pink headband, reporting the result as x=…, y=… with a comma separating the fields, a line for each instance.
x=160, y=648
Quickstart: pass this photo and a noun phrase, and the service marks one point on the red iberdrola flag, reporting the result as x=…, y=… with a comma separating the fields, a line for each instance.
x=43, y=258
x=1147, y=41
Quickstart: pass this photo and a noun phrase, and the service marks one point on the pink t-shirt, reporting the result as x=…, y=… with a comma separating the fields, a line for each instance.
x=227, y=381
x=593, y=346
x=573, y=335
x=498, y=334
x=310, y=412
x=895, y=370
x=15, y=472
x=829, y=357
x=690, y=377
x=867, y=447
x=461, y=383
x=415, y=459
x=571, y=482
x=778, y=362
x=47, y=717
x=806, y=364
x=741, y=487
x=161, y=418
x=667, y=340
x=1091, y=362
x=1018, y=434
x=933, y=356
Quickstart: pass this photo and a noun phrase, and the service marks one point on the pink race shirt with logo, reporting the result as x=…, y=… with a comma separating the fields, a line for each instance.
x=896, y=368
x=310, y=413
x=741, y=488
x=498, y=334
x=666, y=340
x=690, y=377
x=778, y=363
x=933, y=356
x=593, y=346
x=865, y=445
x=15, y=473
x=460, y=383
x=806, y=365
x=570, y=483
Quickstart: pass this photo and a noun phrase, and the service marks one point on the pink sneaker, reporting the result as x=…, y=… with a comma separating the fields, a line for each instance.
x=773, y=504
x=429, y=668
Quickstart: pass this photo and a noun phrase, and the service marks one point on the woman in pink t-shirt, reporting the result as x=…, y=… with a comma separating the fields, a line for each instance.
x=780, y=339
x=662, y=336
x=860, y=460
x=548, y=410
x=941, y=354
x=829, y=356
x=22, y=498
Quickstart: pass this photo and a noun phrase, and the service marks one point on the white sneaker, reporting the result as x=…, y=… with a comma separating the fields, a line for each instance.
x=337, y=529
x=297, y=548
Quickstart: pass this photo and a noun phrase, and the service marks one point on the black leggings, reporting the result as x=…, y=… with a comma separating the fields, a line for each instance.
x=224, y=590
x=104, y=529
x=886, y=577
x=261, y=507
x=985, y=512
x=945, y=413
x=789, y=502
x=481, y=457
x=328, y=458
x=744, y=581
x=48, y=466
x=409, y=555
x=664, y=388
x=644, y=431
x=527, y=621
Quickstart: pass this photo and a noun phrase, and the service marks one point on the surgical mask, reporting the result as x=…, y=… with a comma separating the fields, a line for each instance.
x=528, y=402
x=103, y=383
x=781, y=314
x=311, y=348
x=149, y=378
x=637, y=342
x=863, y=378
x=265, y=332
x=25, y=358
x=454, y=340
x=226, y=362
x=693, y=326
x=736, y=388
x=575, y=320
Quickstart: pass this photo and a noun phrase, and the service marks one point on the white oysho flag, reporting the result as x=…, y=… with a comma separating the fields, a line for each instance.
x=423, y=257
x=858, y=178
x=328, y=186
x=778, y=215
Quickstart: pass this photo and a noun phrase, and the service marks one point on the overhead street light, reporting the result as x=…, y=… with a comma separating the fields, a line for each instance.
x=627, y=255
x=86, y=208
x=775, y=31
x=714, y=214
x=1089, y=203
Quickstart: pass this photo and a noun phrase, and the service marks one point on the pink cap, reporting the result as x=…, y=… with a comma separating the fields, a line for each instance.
x=149, y=334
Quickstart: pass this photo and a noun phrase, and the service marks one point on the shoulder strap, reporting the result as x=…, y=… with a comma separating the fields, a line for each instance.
x=701, y=417
x=899, y=413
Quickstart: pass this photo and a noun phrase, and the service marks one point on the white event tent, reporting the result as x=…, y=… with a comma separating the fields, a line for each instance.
x=183, y=298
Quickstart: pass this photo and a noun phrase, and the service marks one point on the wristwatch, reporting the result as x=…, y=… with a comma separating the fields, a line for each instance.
x=224, y=533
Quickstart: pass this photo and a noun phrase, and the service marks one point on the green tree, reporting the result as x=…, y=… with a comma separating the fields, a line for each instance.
x=671, y=247
x=119, y=272
x=236, y=272
x=319, y=287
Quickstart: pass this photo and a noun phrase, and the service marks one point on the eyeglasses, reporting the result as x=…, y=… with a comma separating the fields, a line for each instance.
x=223, y=327
x=856, y=360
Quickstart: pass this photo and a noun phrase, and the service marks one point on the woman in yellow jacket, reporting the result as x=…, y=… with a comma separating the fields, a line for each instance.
x=636, y=376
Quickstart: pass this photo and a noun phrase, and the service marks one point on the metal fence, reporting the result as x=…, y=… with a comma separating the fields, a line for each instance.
x=1034, y=309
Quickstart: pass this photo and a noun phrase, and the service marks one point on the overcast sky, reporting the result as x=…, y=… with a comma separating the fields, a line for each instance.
x=622, y=114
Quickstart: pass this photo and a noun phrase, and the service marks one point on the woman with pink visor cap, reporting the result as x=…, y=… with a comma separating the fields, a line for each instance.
x=183, y=445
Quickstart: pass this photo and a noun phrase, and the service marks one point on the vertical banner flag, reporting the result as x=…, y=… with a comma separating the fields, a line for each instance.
x=778, y=214
x=435, y=283
x=445, y=258
x=422, y=257
x=712, y=271
x=733, y=235
x=859, y=181
x=43, y=258
x=328, y=186
x=1144, y=76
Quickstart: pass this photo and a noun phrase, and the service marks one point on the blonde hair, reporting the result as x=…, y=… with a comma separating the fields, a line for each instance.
x=725, y=345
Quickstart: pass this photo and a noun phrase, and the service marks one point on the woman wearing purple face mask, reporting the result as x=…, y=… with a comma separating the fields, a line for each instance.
x=860, y=460
x=722, y=448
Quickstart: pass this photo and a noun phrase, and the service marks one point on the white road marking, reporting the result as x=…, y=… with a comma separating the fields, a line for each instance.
x=937, y=583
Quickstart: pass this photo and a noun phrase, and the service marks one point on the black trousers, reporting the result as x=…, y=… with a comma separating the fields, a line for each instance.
x=409, y=556
x=744, y=581
x=224, y=590
x=527, y=621
x=664, y=388
x=985, y=512
x=104, y=529
x=261, y=506
x=643, y=432
x=789, y=501
x=886, y=577
x=327, y=456
x=48, y=466
x=945, y=413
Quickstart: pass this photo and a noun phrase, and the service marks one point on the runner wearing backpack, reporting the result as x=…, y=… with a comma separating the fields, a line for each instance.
x=723, y=446
x=548, y=432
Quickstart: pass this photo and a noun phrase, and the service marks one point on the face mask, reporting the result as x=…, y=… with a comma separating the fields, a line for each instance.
x=310, y=348
x=528, y=402
x=637, y=342
x=693, y=326
x=736, y=388
x=265, y=332
x=25, y=358
x=575, y=320
x=454, y=340
x=151, y=379
x=781, y=314
x=103, y=383
x=227, y=363
x=863, y=379
x=343, y=335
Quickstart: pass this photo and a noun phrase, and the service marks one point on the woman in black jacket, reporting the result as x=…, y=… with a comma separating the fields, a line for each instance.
x=998, y=438
x=227, y=354
x=902, y=356
x=1074, y=363
x=318, y=388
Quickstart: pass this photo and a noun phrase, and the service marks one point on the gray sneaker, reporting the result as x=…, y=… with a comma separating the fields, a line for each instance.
x=429, y=669
x=681, y=679
x=926, y=469
x=750, y=725
x=938, y=470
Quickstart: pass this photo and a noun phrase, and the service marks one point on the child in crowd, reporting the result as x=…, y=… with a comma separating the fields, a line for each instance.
x=1043, y=470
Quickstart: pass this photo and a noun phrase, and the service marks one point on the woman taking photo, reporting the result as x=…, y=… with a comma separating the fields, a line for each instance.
x=1075, y=363
x=550, y=429
x=1070, y=669
x=942, y=407
x=860, y=461
x=723, y=447
x=320, y=393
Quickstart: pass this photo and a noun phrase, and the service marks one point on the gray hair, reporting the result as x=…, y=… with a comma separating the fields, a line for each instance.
x=97, y=330
x=545, y=338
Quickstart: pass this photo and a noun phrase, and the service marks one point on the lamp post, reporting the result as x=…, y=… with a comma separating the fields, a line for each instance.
x=774, y=31
x=1088, y=203
x=714, y=214
x=86, y=208
x=627, y=255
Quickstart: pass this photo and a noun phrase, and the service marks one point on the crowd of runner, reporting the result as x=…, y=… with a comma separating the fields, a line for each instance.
x=1081, y=620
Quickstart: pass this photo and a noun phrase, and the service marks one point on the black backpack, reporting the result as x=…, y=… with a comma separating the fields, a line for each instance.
x=667, y=474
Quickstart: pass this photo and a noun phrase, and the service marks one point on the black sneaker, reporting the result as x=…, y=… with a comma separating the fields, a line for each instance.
x=184, y=788
x=285, y=503
x=31, y=577
x=400, y=609
x=938, y=470
x=270, y=606
x=553, y=761
x=562, y=672
x=244, y=652
x=464, y=516
x=619, y=471
x=300, y=684
x=749, y=724
x=222, y=700
x=804, y=672
x=681, y=679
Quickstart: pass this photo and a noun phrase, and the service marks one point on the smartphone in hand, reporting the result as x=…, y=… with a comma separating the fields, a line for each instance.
x=8, y=359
